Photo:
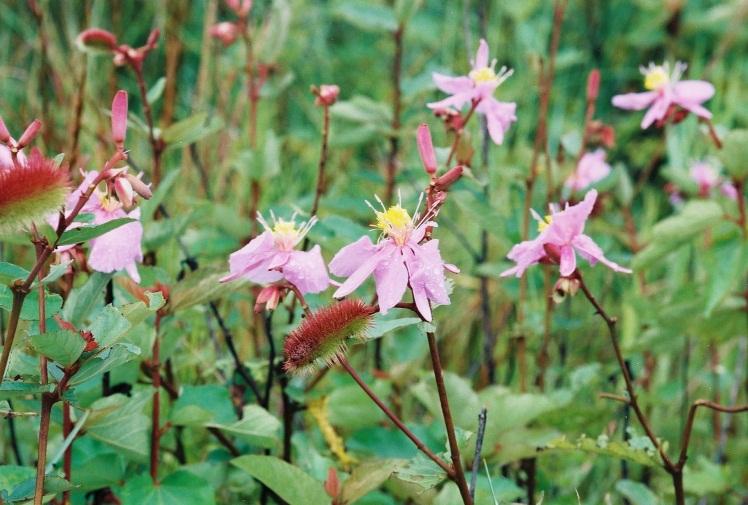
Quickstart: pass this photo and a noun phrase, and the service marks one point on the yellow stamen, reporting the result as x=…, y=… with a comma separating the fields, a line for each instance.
x=656, y=77
x=284, y=227
x=545, y=223
x=483, y=75
x=393, y=219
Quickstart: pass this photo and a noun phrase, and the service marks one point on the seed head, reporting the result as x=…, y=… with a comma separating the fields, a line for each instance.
x=323, y=335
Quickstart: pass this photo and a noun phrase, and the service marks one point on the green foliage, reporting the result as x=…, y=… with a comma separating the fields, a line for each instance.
x=287, y=481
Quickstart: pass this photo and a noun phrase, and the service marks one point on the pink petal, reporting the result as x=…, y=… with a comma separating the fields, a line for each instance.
x=570, y=222
x=364, y=270
x=391, y=278
x=118, y=249
x=696, y=109
x=525, y=254
x=452, y=85
x=656, y=112
x=457, y=101
x=307, y=271
x=635, y=101
x=252, y=260
x=350, y=257
x=481, y=55
x=591, y=252
x=499, y=116
x=692, y=91
x=568, y=261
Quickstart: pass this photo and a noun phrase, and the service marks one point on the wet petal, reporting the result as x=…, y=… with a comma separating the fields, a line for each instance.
x=349, y=258
x=363, y=271
x=568, y=261
x=591, y=252
x=307, y=271
x=391, y=278
x=452, y=85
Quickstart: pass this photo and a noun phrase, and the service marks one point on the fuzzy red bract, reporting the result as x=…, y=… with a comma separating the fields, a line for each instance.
x=322, y=335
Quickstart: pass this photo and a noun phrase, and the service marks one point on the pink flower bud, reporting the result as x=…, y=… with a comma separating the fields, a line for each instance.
x=4, y=133
x=139, y=186
x=593, y=84
x=327, y=94
x=124, y=191
x=426, y=149
x=29, y=134
x=153, y=38
x=226, y=32
x=97, y=38
x=449, y=178
x=119, y=118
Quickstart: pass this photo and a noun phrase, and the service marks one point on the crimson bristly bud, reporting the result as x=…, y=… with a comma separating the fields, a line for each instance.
x=323, y=335
x=426, y=149
x=593, y=84
x=29, y=134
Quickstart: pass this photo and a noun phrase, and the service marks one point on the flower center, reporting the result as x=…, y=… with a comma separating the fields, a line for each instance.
x=483, y=75
x=656, y=77
x=545, y=223
x=285, y=234
x=394, y=222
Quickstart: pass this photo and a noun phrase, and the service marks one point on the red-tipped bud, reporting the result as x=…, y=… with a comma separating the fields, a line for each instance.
x=29, y=134
x=327, y=94
x=426, y=149
x=96, y=38
x=119, y=118
x=153, y=38
x=323, y=335
x=4, y=133
x=226, y=32
x=268, y=298
x=593, y=84
x=449, y=178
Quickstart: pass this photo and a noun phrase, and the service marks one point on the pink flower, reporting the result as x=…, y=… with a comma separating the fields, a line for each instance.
x=705, y=176
x=226, y=32
x=271, y=257
x=729, y=190
x=118, y=249
x=560, y=239
x=591, y=168
x=477, y=88
x=397, y=261
x=327, y=94
x=665, y=89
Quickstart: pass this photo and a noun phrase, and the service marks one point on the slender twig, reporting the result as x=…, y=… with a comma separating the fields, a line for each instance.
x=401, y=426
x=712, y=133
x=321, y=183
x=459, y=133
x=41, y=461
x=156, y=430
x=454, y=448
x=225, y=441
x=396, y=75
x=157, y=145
x=617, y=398
x=478, y=448
x=686, y=437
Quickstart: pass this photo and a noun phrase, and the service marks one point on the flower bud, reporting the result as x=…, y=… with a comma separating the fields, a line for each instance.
x=240, y=8
x=153, y=38
x=332, y=484
x=593, y=84
x=119, y=118
x=327, y=94
x=29, y=134
x=449, y=178
x=426, y=149
x=565, y=286
x=141, y=188
x=268, y=298
x=96, y=38
x=4, y=133
x=124, y=191
x=226, y=32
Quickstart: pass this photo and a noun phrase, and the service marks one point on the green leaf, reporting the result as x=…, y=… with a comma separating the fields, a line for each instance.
x=25, y=490
x=61, y=346
x=723, y=263
x=287, y=481
x=734, y=153
x=422, y=471
x=190, y=130
x=10, y=389
x=405, y=9
x=119, y=422
x=382, y=325
x=363, y=110
x=257, y=426
x=55, y=272
x=82, y=300
x=108, y=326
x=616, y=449
x=179, y=488
x=10, y=272
x=30, y=307
x=272, y=38
x=636, y=493
x=366, y=477
x=84, y=233
x=201, y=405
x=105, y=360
x=156, y=90
x=367, y=16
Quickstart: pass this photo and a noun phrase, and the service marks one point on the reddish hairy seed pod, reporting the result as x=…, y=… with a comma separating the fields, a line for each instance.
x=119, y=118
x=29, y=134
x=323, y=335
x=31, y=193
x=593, y=84
x=426, y=149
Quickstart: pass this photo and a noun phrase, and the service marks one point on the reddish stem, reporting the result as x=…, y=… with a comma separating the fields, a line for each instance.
x=397, y=64
x=156, y=409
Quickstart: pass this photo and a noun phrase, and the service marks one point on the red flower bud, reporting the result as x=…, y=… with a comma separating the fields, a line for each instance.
x=327, y=94
x=426, y=149
x=593, y=84
x=119, y=118
x=449, y=178
x=153, y=38
x=96, y=38
x=332, y=484
x=28, y=135
x=4, y=133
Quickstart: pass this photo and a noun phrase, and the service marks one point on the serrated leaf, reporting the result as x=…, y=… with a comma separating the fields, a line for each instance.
x=30, y=307
x=10, y=389
x=179, y=488
x=422, y=471
x=366, y=477
x=105, y=360
x=10, y=272
x=615, y=449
